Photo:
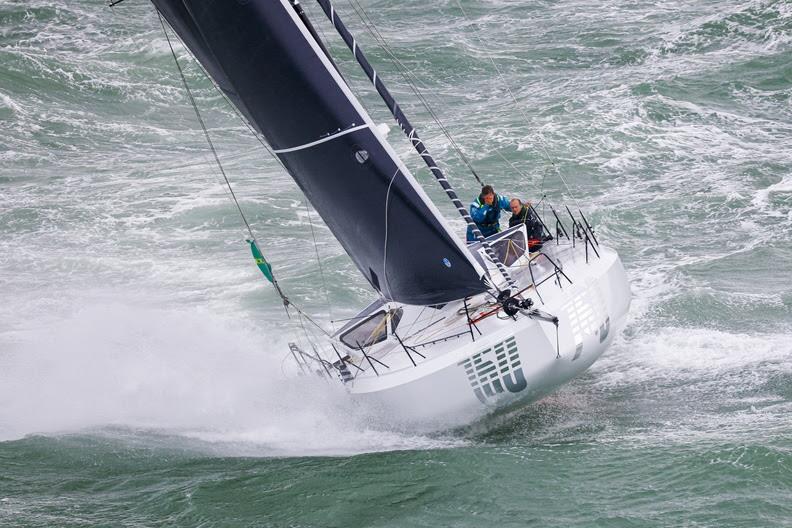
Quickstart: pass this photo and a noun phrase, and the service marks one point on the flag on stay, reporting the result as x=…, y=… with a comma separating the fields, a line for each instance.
x=261, y=262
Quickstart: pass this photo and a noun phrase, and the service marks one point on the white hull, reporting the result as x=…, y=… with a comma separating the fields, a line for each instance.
x=514, y=360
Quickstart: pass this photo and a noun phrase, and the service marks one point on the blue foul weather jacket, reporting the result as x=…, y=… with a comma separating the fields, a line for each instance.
x=487, y=217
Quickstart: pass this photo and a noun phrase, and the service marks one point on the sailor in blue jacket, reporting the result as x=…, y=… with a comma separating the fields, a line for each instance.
x=486, y=211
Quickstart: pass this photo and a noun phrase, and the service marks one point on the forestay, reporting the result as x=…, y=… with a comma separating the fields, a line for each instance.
x=265, y=60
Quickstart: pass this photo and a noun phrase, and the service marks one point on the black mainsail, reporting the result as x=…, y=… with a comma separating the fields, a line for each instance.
x=275, y=72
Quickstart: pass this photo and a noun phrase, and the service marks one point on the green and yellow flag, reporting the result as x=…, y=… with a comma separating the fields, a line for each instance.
x=261, y=262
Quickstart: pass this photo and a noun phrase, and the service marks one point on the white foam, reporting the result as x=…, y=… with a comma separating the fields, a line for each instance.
x=694, y=353
x=762, y=196
x=9, y=103
x=183, y=372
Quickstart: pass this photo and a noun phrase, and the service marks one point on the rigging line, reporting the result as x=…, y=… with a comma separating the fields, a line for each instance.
x=411, y=81
x=385, y=246
x=326, y=43
x=309, y=319
x=312, y=337
x=302, y=325
x=319, y=263
x=283, y=297
x=409, y=328
x=203, y=127
x=542, y=143
x=407, y=74
x=263, y=143
x=518, y=171
x=205, y=161
x=287, y=303
x=236, y=111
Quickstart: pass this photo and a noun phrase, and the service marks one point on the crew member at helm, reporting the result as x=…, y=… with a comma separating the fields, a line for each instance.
x=523, y=213
x=486, y=211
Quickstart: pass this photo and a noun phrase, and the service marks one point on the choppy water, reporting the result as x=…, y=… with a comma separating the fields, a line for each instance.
x=140, y=350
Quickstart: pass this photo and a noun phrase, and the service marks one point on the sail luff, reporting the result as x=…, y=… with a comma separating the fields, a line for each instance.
x=410, y=131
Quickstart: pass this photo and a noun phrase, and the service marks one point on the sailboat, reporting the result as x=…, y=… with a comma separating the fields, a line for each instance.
x=457, y=330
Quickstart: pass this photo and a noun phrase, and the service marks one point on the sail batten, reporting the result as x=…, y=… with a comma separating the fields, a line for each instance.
x=264, y=58
x=321, y=140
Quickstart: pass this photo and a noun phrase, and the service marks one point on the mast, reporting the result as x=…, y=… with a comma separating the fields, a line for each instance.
x=410, y=131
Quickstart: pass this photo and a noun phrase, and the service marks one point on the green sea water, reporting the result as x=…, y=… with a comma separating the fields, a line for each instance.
x=142, y=381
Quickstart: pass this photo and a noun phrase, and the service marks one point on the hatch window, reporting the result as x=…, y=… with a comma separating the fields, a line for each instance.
x=510, y=248
x=372, y=330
